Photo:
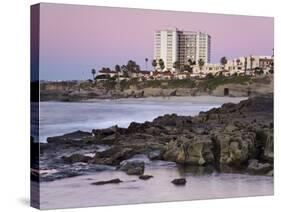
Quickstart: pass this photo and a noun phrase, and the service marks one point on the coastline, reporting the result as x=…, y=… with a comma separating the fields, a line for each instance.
x=234, y=137
x=68, y=91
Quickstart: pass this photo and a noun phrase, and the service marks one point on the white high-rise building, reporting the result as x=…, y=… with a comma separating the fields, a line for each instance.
x=172, y=45
x=166, y=47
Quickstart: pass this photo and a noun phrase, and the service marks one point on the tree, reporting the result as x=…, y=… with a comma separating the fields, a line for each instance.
x=146, y=60
x=191, y=62
x=93, y=73
x=117, y=68
x=223, y=61
x=154, y=64
x=132, y=66
x=209, y=76
x=201, y=63
x=176, y=65
x=251, y=62
x=245, y=65
x=161, y=64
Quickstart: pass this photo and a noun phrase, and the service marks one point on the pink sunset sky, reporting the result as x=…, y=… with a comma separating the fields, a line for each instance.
x=74, y=39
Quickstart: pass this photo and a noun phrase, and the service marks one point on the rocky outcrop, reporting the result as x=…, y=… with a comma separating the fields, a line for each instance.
x=259, y=168
x=113, y=181
x=133, y=167
x=179, y=181
x=85, y=90
x=145, y=177
x=226, y=138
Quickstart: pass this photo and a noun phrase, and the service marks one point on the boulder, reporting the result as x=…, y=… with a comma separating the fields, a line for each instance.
x=173, y=120
x=75, y=158
x=113, y=156
x=113, y=181
x=196, y=151
x=179, y=181
x=101, y=133
x=132, y=167
x=145, y=177
x=155, y=155
x=73, y=137
x=255, y=167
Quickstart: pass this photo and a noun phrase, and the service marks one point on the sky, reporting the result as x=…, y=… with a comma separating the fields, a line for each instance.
x=74, y=39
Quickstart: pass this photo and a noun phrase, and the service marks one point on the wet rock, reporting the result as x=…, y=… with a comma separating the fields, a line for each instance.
x=113, y=156
x=173, y=120
x=74, y=136
x=145, y=177
x=113, y=181
x=268, y=149
x=256, y=167
x=179, y=181
x=101, y=133
x=155, y=155
x=133, y=167
x=197, y=151
x=75, y=158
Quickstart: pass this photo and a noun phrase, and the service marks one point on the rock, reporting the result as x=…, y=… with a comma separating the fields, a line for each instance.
x=133, y=167
x=155, y=155
x=197, y=151
x=268, y=149
x=75, y=158
x=179, y=181
x=113, y=156
x=173, y=120
x=101, y=133
x=234, y=149
x=113, y=181
x=230, y=128
x=69, y=137
x=258, y=168
x=270, y=173
x=145, y=177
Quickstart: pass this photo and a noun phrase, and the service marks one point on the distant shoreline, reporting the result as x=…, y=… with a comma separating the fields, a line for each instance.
x=69, y=91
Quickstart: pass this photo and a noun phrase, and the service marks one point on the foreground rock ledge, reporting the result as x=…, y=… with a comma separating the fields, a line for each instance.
x=228, y=138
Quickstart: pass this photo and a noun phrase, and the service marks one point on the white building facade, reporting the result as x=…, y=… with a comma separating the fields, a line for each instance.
x=166, y=47
x=173, y=45
x=241, y=66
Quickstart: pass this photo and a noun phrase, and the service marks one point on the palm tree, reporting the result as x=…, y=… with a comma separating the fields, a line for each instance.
x=154, y=64
x=93, y=73
x=146, y=60
x=223, y=61
x=176, y=65
x=201, y=63
x=117, y=68
x=245, y=65
x=161, y=64
x=251, y=62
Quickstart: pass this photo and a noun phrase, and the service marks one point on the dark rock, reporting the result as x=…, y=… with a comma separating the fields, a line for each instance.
x=173, y=120
x=258, y=168
x=179, y=181
x=101, y=133
x=155, y=155
x=113, y=181
x=113, y=156
x=74, y=136
x=75, y=158
x=133, y=167
x=145, y=177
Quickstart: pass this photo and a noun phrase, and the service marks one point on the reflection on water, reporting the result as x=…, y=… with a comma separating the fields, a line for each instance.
x=77, y=191
x=202, y=182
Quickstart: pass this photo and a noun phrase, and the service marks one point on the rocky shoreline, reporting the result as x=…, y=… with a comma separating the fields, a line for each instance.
x=232, y=138
x=81, y=91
